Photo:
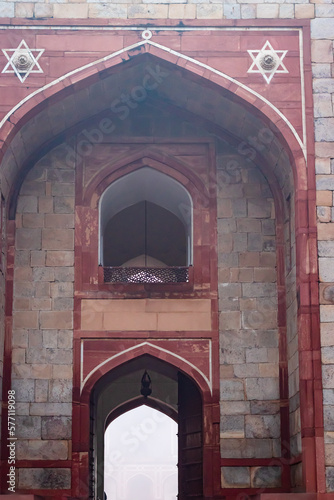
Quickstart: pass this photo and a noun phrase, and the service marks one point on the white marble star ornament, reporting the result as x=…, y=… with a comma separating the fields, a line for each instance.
x=22, y=61
x=267, y=61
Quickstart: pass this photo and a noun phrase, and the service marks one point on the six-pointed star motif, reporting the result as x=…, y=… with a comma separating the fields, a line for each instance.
x=23, y=61
x=267, y=61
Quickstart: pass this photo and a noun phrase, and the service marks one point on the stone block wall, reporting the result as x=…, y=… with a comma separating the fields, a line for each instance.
x=249, y=354
x=322, y=32
x=172, y=9
x=42, y=320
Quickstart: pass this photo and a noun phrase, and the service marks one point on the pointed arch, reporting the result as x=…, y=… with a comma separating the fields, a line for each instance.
x=201, y=380
x=82, y=77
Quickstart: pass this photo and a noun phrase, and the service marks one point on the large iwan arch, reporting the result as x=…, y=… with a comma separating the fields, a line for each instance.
x=237, y=332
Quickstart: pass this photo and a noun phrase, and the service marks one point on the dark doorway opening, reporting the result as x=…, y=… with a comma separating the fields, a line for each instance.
x=175, y=395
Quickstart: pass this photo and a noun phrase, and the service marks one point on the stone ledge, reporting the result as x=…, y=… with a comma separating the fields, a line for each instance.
x=295, y=496
x=14, y=496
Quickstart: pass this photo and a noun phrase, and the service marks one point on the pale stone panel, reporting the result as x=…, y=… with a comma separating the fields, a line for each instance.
x=146, y=314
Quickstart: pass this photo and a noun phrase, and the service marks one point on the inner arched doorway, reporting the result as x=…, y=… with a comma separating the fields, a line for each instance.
x=140, y=456
x=173, y=394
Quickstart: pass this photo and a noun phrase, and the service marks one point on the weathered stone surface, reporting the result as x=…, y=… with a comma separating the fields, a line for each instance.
x=24, y=390
x=28, y=239
x=107, y=10
x=56, y=428
x=265, y=477
x=45, y=204
x=59, y=258
x=231, y=356
x=324, y=129
x=259, y=208
x=246, y=370
x=322, y=28
x=54, y=356
x=246, y=448
x=327, y=334
x=329, y=454
x=330, y=478
x=248, y=11
x=230, y=320
x=264, y=407
x=50, y=338
x=259, y=289
x=232, y=427
x=42, y=450
x=326, y=248
x=62, y=290
x=327, y=313
x=43, y=10
x=60, y=391
x=267, y=11
x=235, y=477
x=262, y=389
x=182, y=11
x=7, y=9
x=328, y=418
x=235, y=408
x=327, y=355
x=32, y=220
x=28, y=427
x=57, y=239
x=44, y=478
x=41, y=391
x=43, y=274
x=60, y=221
x=63, y=204
x=212, y=11
x=65, y=339
x=323, y=106
x=321, y=70
x=304, y=11
x=231, y=390
x=27, y=204
x=56, y=319
x=262, y=426
x=52, y=409
x=63, y=304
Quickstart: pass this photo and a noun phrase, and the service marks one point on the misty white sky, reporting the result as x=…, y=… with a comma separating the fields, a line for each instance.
x=141, y=456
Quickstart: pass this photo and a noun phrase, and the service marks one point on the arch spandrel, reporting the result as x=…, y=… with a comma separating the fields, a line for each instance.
x=179, y=361
x=53, y=113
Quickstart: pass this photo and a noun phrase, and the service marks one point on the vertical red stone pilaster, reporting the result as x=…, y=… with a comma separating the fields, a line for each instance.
x=311, y=403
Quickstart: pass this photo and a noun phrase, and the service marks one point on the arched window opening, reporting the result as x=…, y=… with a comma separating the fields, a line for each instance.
x=145, y=235
x=141, y=456
x=146, y=229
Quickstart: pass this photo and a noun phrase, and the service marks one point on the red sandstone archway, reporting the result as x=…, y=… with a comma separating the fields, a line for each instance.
x=308, y=316
x=190, y=388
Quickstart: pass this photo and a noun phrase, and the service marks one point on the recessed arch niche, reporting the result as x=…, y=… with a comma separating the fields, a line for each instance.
x=145, y=221
x=173, y=394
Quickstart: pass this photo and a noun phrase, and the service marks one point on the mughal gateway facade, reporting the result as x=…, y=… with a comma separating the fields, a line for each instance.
x=167, y=177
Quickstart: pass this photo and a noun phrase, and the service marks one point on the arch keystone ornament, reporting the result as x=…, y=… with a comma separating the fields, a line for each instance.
x=22, y=60
x=267, y=61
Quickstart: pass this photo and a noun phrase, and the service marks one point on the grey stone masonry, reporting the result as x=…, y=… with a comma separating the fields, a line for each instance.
x=250, y=421
x=43, y=319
